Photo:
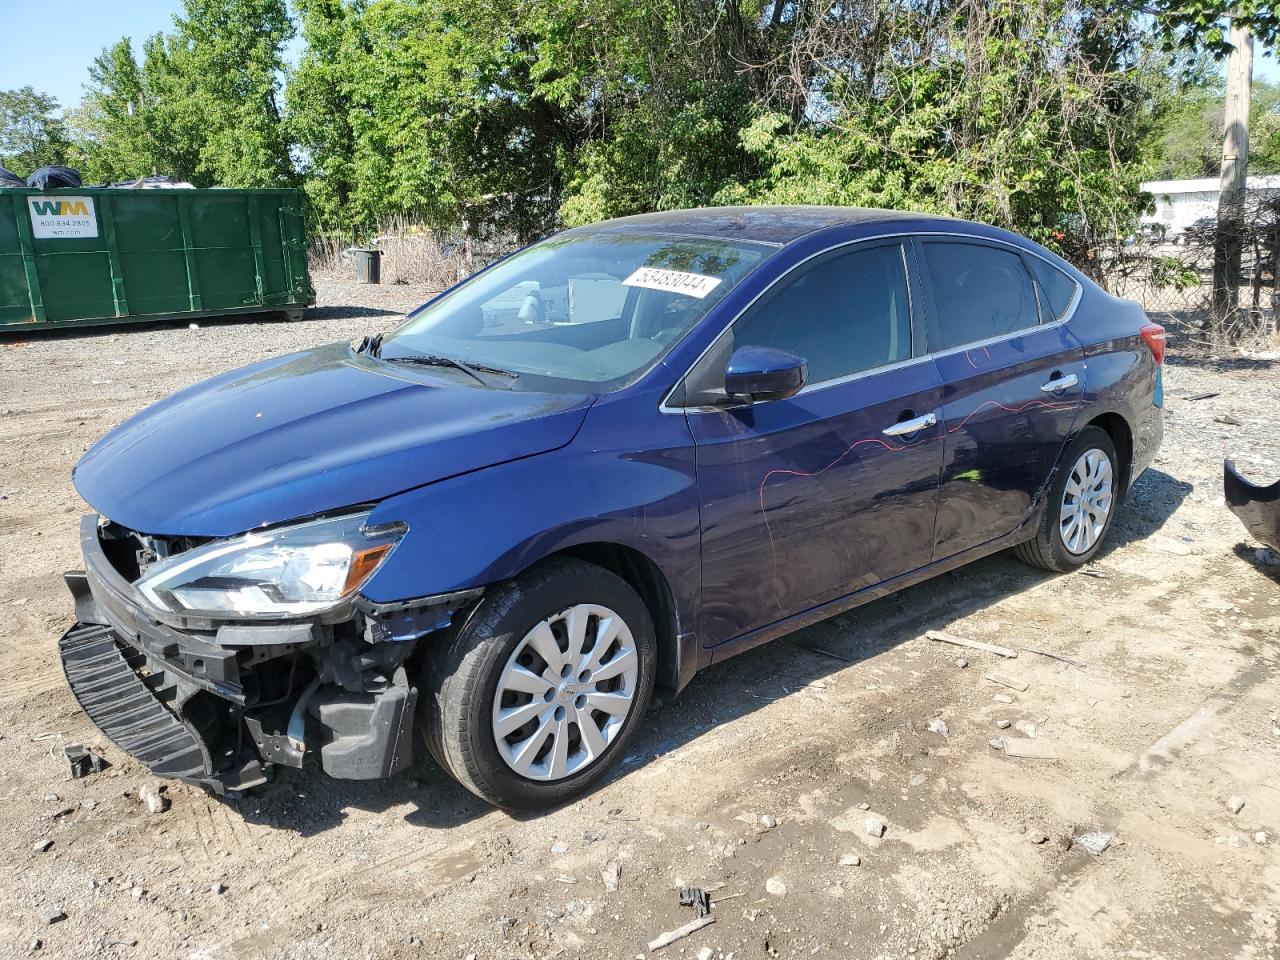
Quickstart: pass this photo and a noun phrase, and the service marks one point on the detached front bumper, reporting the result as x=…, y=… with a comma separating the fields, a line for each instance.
x=1257, y=507
x=219, y=703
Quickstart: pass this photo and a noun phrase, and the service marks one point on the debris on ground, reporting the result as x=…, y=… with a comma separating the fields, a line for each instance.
x=1090, y=572
x=1094, y=842
x=1235, y=804
x=53, y=915
x=83, y=762
x=1260, y=837
x=1228, y=419
x=1006, y=681
x=962, y=663
x=152, y=798
x=611, y=874
x=42, y=846
x=1003, y=698
x=875, y=827
x=1055, y=656
x=850, y=860
x=1003, y=724
x=775, y=886
x=671, y=936
x=1028, y=749
x=938, y=725
x=697, y=898
x=940, y=637
x=768, y=821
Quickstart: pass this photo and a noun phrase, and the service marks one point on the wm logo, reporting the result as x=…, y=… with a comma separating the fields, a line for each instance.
x=60, y=208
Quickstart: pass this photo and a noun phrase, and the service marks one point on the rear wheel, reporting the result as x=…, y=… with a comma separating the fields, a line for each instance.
x=540, y=689
x=1082, y=505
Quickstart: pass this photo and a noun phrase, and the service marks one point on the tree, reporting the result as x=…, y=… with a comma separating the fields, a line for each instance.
x=226, y=58
x=203, y=103
x=31, y=135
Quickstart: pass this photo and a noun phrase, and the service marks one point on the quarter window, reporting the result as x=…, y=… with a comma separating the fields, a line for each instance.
x=979, y=292
x=1058, y=288
x=843, y=315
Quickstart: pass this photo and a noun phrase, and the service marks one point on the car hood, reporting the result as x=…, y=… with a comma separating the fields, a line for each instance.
x=308, y=433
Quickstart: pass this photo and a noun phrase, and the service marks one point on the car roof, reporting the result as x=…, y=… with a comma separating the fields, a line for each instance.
x=777, y=225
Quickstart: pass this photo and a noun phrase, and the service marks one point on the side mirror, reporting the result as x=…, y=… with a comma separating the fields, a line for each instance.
x=764, y=373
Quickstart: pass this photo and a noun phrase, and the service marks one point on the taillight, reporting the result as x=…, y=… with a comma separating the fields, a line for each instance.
x=1154, y=335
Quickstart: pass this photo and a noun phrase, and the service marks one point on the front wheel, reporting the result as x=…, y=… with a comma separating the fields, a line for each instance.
x=542, y=686
x=1082, y=505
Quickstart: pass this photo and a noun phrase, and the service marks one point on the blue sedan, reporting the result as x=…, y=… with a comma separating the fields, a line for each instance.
x=607, y=461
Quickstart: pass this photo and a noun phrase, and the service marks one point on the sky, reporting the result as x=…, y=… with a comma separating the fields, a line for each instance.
x=82, y=28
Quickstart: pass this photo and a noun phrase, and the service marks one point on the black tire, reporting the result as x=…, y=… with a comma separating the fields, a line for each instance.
x=460, y=680
x=1047, y=549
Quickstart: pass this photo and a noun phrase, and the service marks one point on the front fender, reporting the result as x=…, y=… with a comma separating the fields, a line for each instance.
x=492, y=524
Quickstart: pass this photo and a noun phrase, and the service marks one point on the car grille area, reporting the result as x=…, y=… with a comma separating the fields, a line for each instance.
x=125, y=705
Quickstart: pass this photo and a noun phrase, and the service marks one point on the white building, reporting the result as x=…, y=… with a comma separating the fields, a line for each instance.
x=1179, y=203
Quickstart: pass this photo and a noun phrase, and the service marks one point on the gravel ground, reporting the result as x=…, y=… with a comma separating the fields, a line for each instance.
x=1171, y=713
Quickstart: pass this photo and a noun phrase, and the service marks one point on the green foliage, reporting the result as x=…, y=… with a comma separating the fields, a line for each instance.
x=1202, y=24
x=31, y=135
x=523, y=115
x=1189, y=141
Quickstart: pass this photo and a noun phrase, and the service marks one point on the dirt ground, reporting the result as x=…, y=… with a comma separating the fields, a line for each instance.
x=1170, y=711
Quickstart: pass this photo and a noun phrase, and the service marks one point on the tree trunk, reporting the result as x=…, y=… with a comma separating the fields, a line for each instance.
x=1228, y=240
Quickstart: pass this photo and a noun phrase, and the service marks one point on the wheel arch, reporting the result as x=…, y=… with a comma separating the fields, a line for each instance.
x=645, y=576
x=1117, y=428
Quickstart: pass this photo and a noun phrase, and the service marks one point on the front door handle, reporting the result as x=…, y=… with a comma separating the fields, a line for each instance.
x=1059, y=384
x=904, y=427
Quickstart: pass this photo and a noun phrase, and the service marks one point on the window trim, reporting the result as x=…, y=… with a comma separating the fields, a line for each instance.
x=915, y=277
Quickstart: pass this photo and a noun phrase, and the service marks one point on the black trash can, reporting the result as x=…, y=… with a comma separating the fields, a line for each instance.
x=368, y=264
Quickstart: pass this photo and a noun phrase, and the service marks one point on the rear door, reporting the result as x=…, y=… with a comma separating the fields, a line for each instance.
x=1013, y=379
x=807, y=499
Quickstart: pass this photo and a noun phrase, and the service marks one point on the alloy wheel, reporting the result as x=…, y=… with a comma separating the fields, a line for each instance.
x=1086, y=501
x=565, y=693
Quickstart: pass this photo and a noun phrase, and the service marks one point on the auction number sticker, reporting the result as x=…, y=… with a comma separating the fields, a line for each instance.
x=60, y=218
x=673, y=281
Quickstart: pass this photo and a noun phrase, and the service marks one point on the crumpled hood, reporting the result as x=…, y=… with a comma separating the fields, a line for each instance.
x=307, y=433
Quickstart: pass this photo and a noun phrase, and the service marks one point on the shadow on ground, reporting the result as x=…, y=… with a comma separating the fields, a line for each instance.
x=309, y=803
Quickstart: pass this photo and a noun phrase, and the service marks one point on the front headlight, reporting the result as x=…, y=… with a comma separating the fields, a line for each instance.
x=286, y=572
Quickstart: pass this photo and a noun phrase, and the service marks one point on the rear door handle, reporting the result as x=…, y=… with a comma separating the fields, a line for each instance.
x=1059, y=384
x=910, y=426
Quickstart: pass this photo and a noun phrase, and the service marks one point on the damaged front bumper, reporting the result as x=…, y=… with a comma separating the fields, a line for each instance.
x=218, y=703
x=1257, y=507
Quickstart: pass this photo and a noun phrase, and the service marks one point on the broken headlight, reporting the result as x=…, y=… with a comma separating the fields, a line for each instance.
x=286, y=572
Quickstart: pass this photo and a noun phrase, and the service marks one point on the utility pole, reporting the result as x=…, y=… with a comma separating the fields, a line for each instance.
x=1229, y=239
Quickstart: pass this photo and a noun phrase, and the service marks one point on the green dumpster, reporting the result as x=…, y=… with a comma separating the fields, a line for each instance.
x=85, y=256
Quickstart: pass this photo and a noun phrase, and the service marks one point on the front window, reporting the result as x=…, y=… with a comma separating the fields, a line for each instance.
x=584, y=311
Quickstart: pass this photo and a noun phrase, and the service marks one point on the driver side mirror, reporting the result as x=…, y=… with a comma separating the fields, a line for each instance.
x=764, y=373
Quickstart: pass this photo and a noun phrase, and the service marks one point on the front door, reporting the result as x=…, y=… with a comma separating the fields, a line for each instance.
x=1013, y=385
x=807, y=499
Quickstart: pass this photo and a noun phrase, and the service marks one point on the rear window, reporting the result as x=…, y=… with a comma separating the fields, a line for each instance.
x=1058, y=288
x=979, y=292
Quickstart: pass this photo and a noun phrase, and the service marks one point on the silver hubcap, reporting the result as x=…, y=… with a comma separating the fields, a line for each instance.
x=565, y=692
x=1086, y=501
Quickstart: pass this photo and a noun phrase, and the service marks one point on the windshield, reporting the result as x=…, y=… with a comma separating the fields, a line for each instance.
x=584, y=311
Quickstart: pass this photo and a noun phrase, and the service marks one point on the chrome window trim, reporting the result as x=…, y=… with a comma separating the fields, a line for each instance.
x=665, y=407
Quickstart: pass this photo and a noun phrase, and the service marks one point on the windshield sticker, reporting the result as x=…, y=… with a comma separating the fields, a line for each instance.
x=673, y=281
